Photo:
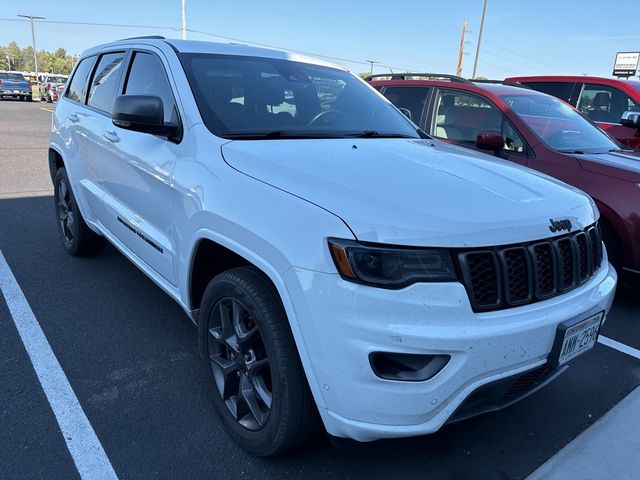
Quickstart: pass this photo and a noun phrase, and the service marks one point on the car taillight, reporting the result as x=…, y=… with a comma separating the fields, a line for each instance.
x=48, y=86
x=0, y=84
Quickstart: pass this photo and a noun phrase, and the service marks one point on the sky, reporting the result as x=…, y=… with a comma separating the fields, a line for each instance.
x=521, y=37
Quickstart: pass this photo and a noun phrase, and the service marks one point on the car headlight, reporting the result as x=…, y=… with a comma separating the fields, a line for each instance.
x=390, y=267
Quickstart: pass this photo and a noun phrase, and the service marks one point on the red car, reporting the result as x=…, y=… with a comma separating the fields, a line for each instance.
x=537, y=130
x=603, y=100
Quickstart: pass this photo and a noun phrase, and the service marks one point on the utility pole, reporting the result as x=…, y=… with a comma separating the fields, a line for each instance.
x=184, y=20
x=475, y=63
x=461, y=51
x=371, y=62
x=33, y=39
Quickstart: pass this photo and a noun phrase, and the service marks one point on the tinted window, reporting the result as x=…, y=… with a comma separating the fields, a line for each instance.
x=248, y=97
x=12, y=76
x=561, y=90
x=78, y=87
x=105, y=82
x=147, y=77
x=461, y=116
x=605, y=104
x=558, y=125
x=411, y=98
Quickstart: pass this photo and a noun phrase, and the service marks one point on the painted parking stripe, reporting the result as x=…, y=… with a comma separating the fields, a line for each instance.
x=621, y=347
x=83, y=444
x=46, y=109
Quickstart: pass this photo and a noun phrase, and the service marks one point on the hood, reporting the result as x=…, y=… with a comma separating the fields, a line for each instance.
x=619, y=164
x=415, y=192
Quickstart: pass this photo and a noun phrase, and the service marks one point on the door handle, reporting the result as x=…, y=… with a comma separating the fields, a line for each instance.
x=73, y=117
x=112, y=136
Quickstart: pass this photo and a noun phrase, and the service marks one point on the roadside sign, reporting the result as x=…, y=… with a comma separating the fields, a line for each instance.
x=626, y=64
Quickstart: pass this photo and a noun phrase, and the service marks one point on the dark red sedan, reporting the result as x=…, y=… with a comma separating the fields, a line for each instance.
x=536, y=130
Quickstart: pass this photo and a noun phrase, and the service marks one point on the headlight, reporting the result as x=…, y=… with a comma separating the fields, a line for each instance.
x=390, y=267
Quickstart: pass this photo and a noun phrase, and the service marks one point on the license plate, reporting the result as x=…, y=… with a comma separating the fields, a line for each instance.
x=575, y=338
x=16, y=91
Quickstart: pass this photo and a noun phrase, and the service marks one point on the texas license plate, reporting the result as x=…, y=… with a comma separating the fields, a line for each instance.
x=573, y=339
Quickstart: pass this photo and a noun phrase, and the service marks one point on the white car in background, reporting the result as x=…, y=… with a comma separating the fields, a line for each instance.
x=340, y=264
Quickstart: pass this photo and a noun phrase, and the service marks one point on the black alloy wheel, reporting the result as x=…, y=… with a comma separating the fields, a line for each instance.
x=239, y=363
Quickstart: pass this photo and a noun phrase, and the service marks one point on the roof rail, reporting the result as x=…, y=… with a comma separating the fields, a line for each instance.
x=502, y=82
x=407, y=75
x=146, y=37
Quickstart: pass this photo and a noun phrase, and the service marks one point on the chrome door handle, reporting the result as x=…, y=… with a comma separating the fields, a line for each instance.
x=112, y=136
x=73, y=117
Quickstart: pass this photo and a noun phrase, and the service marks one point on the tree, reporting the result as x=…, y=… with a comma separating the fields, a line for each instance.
x=12, y=57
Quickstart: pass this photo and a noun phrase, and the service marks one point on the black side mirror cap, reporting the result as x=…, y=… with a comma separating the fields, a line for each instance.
x=631, y=119
x=142, y=113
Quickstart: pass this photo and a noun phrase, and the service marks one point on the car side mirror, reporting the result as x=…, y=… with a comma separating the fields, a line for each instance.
x=142, y=113
x=492, y=141
x=631, y=119
x=406, y=112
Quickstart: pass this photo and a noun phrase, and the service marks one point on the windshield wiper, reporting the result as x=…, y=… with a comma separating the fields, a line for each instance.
x=273, y=135
x=375, y=134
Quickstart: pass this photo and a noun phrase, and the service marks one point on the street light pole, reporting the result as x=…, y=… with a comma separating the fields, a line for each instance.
x=184, y=20
x=371, y=62
x=33, y=39
x=475, y=63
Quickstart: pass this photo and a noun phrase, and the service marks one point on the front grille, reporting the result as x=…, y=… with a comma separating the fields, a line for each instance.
x=503, y=277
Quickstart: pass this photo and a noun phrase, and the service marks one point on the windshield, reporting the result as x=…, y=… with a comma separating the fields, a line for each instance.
x=56, y=80
x=558, y=125
x=12, y=76
x=252, y=98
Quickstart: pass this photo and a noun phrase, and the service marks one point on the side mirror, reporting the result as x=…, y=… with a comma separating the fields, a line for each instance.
x=492, y=141
x=631, y=119
x=406, y=112
x=142, y=113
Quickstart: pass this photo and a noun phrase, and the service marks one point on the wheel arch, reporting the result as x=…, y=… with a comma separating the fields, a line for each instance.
x=209, y=243
x=55, y=161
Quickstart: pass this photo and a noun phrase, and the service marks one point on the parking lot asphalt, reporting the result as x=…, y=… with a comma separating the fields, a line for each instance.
x=130, y=354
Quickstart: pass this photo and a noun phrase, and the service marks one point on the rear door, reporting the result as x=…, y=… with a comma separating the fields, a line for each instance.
x=458, y=116
x=605, y=105
x=137, y=181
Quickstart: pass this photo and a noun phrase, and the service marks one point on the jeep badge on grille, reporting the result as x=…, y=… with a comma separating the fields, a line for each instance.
x=558, y=225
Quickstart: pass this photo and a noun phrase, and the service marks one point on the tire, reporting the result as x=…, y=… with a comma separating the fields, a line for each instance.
x=29, y=98
x=283, y=413
x=77, y=238
x=49, y=99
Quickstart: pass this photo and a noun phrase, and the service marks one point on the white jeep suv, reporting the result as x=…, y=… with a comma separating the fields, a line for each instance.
x=340, y=264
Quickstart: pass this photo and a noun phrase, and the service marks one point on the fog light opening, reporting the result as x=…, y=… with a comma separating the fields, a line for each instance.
x=407, y=367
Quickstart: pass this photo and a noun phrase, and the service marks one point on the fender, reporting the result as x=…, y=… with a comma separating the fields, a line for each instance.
x=276, y=278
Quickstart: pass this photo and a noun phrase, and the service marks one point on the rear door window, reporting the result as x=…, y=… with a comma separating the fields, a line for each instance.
x=561, y=90
x=411, y=98
x=104, y=83
x=78, y=87
x=602, y=103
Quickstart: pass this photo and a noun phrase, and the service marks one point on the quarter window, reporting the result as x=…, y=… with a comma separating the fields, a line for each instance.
x=78, y=87
x=147, y=77
x=561, y=90
x=460, y=117
x=105, y=81
x=605, y=104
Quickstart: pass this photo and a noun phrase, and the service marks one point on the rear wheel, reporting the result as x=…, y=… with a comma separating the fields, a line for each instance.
x=77, y=238
x=259, y=387
x=29, y=98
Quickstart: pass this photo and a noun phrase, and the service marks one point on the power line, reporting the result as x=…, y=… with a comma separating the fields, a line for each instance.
x=520, y=54
x=232, y=39
x=513, y=61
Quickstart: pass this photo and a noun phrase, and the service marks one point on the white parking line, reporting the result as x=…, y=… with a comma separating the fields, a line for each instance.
x=621, y=347
x=83, y=444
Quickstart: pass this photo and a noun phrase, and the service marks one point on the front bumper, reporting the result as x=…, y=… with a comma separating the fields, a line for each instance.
x=341, y=323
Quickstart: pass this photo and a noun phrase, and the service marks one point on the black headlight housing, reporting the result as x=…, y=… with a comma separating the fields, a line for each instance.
x=390, y=266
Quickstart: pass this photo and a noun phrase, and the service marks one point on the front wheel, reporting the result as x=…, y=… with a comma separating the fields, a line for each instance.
x=77, y=238
x=259, y=386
